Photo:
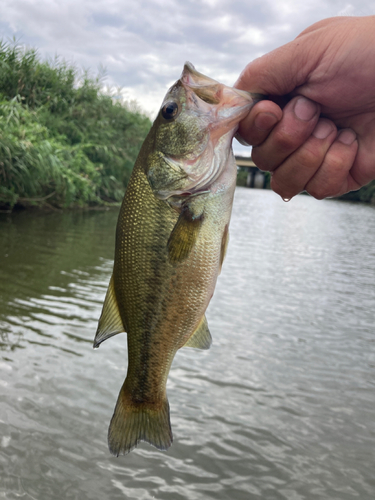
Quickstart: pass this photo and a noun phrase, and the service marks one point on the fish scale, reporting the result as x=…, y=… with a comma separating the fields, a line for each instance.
x=171, y=238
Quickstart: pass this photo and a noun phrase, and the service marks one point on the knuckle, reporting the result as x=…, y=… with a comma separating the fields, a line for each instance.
x=257, y=138
x=276, y=187
x=283, y=190
x=311, y=157
x=260, y=160
x=317, y=192
x=336, y=163
x=285, y=141
x=323, y=189
x=331, y=175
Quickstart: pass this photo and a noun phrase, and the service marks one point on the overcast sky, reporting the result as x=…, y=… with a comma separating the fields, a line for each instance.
x=143, y=44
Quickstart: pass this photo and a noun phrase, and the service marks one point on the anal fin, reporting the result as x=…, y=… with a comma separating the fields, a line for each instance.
x=201, y=338
x=110, y=322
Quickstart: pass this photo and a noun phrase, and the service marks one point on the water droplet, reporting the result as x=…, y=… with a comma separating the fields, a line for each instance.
x=286, y=199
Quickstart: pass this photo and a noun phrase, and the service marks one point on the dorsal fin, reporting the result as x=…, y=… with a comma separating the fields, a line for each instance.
x=110, y=322
x=201, y=338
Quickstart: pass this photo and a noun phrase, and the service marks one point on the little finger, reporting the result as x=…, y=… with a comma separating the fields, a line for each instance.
x=331, y=179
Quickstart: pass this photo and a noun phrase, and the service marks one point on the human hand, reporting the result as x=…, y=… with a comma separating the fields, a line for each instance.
x=323, y=140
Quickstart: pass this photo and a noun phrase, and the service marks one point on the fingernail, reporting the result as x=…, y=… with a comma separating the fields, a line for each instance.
x=305, y=109
x=265, y=121
x=322, y=129
x=347, y=136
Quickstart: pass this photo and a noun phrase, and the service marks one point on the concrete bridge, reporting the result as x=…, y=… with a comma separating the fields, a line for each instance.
x=255, y=177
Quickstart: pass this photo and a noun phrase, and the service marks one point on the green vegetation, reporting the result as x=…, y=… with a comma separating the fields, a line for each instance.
x=62, y=141
x=241, y=177
x=366, y=194
x=242, y=174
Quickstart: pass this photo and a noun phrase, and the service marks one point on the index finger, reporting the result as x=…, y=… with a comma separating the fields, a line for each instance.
x=257, y=125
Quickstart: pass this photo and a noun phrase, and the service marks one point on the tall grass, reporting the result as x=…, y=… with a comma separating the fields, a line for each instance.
x=62, y=141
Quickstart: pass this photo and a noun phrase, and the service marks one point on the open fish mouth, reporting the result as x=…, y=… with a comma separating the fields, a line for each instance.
x=222, y=108
x=205, y=115
x=224, y=103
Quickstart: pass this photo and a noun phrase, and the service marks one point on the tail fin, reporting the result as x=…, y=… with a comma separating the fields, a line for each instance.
x=132, y=423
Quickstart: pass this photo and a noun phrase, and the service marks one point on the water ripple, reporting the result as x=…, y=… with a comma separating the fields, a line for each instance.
x=281, y=407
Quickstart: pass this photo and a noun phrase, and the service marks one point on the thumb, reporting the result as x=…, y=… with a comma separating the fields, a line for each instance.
x=284, y=69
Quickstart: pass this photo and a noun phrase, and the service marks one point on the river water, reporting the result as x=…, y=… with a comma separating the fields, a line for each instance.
x=281, y=407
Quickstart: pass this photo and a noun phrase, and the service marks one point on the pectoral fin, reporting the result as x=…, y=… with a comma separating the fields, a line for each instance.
x=110, y=322
x=201, y=338
x=184, y=234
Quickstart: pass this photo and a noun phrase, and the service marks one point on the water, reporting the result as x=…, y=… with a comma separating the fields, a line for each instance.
x=281, y=407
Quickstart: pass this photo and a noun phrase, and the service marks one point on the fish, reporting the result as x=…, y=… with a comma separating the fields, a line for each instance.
x=171, y=239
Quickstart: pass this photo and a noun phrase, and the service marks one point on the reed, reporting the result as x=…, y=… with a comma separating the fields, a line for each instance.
x=63, y=141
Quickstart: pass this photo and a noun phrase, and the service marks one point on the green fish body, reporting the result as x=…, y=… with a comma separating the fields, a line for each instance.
x=171, y=238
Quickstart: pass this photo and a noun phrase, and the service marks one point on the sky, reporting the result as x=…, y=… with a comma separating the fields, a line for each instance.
x=143, y=44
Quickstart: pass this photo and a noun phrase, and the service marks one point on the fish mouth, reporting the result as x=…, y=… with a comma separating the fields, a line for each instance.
x=220, y=108
x=224, y=107
x=223, y=102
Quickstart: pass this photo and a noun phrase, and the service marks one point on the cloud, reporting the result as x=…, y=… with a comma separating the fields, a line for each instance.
x=143, y=45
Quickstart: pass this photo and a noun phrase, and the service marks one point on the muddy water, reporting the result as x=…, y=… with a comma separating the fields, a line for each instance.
x=281, y=407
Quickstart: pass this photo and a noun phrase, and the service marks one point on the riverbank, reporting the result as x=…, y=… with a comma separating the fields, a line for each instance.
x=63, y=142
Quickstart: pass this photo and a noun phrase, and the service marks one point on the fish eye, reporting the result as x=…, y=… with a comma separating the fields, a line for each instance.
x=170, y=110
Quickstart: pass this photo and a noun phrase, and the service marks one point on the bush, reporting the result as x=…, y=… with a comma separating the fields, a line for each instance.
x=62, y=141
x=366, y=194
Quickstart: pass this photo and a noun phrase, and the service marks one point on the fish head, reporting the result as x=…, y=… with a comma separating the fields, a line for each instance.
x=192, y=134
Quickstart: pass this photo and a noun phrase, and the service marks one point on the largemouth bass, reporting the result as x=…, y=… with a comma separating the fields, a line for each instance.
x=171, y=239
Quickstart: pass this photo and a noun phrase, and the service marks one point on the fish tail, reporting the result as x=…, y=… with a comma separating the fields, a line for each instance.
x=135, y=422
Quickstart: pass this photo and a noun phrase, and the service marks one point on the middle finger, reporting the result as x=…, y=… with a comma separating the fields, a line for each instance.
x=300, y=116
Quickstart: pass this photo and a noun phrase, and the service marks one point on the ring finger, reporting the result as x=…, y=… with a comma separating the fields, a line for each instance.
x=292, y=176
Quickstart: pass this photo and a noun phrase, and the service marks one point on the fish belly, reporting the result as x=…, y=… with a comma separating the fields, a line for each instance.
x=161, y=304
